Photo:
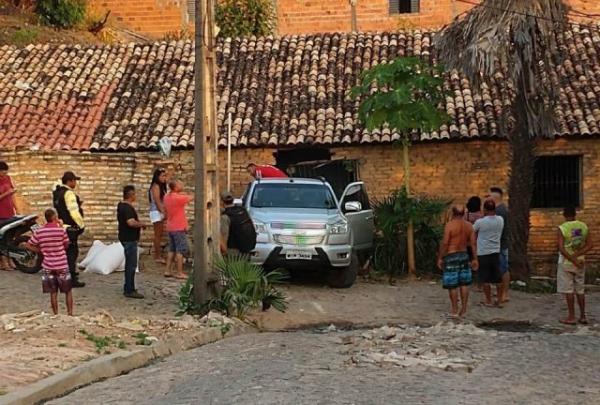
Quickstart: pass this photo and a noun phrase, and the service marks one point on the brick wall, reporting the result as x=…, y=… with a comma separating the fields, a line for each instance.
x=311, y=16
x=157, y=17
x=154, y=18
x=454, y=170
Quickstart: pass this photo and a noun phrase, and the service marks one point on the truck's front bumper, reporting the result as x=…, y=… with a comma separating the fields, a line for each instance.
x=274, y=256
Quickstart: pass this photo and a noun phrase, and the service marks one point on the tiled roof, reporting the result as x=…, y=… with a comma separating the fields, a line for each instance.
x=280, y=91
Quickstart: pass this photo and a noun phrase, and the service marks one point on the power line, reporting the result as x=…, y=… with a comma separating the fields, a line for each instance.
x=507, y=10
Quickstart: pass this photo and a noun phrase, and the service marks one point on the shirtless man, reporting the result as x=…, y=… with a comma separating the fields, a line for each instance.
x=453, y=260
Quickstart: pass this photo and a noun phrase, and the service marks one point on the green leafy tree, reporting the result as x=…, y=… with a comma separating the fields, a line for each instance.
x=405, y=95
x=241, y=18
x=61, y=13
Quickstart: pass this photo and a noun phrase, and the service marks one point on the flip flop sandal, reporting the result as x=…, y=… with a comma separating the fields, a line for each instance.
x=584, y=321
x=168, y=275
x=565, y=322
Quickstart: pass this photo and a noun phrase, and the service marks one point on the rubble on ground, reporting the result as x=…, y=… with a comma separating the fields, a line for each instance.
x=438, y=347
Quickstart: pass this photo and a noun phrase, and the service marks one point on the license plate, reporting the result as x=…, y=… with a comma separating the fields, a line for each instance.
x=298, y=255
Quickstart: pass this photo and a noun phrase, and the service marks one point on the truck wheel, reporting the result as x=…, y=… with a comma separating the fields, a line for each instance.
x=344, y=277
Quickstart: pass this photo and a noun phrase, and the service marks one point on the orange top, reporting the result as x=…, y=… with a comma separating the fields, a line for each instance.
x=174, y=204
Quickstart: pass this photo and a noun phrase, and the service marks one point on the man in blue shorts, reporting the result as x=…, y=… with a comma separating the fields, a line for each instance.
x=455, y=262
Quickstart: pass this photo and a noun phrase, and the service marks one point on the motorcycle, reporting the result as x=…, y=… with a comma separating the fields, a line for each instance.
x=13, y=233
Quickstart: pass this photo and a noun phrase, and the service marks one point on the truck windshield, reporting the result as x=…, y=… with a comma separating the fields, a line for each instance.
x=290, y=195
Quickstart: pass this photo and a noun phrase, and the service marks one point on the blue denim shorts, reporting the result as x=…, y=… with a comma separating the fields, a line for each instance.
x=178, y=242
x=503, y=261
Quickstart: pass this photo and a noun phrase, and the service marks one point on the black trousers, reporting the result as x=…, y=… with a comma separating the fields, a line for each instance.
x=73, y=252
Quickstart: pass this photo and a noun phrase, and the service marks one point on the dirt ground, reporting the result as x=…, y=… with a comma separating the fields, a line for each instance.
x=34, y=344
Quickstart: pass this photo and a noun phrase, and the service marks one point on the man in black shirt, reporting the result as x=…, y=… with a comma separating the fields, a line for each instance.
x=129, y=235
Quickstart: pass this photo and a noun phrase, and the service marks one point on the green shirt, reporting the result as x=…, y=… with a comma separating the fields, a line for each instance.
x=575, y=235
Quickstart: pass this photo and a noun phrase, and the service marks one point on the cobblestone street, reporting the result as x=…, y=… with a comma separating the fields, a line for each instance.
x=358, y=367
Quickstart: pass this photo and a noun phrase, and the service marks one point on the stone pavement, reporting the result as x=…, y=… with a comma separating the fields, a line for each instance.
x=41, y=345
x=334, y=368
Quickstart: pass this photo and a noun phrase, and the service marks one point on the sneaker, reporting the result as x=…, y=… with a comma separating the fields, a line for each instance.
x=77, y=284
x=134, y=294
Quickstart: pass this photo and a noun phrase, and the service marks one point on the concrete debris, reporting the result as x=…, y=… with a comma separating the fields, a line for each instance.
x=136, y=325
x=215, y=319
x=440, y=346
x=185, y=322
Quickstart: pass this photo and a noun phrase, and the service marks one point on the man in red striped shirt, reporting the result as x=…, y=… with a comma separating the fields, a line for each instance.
x=52, y=241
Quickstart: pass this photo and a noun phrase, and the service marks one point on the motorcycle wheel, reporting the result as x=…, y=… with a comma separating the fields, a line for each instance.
x=33, y=261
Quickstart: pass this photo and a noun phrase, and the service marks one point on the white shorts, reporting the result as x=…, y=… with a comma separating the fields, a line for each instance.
x=156, y=216
x=569, y=279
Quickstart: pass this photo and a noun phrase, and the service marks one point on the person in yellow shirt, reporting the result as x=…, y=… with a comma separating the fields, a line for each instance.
x=69, y=207
x=574, y=242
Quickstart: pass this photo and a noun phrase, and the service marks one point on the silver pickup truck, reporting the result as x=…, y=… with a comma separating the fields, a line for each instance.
x=300, y=224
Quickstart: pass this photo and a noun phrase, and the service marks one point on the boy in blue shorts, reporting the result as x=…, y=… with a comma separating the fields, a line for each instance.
x=455, y=262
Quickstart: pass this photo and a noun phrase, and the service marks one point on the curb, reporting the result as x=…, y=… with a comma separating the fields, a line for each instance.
x=112, y=365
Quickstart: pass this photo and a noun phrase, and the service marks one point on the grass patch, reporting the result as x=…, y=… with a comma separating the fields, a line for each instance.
x=103, y=343
x=25, y=36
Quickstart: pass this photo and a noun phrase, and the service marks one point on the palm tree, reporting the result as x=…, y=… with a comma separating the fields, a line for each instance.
x=520, y=40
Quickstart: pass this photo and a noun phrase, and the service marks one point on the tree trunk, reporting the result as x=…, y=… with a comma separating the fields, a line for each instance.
x=520, y=189
x=410, y=231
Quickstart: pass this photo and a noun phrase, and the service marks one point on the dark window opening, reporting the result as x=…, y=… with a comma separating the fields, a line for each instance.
x=314, y=163
x=404, y=6
x=557, y=182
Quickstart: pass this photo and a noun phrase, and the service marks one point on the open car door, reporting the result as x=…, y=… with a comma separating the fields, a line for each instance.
x=357, y=209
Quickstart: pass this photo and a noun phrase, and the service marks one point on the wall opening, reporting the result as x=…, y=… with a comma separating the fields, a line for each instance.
x=318, y=162
x=557, y=182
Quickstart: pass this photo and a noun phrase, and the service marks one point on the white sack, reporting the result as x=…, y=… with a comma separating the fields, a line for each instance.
x=96, y=248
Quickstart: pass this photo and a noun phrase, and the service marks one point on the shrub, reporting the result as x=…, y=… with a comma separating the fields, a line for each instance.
x=245, y=286
x=239, y=18
x=61, y=13
x=392, y=215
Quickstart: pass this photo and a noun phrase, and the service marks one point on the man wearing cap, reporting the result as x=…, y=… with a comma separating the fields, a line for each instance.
x=68, y=206
x=238, y=234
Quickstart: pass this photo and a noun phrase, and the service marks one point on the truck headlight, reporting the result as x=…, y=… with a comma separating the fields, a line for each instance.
x=339, y=228
x=260, y=227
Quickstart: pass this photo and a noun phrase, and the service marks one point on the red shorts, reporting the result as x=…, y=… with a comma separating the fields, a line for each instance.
x=55, y=280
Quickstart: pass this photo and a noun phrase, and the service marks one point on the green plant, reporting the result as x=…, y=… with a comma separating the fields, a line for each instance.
x=102, y=343
x=246, y=286
x=239, y=18
x=186, y=303
x=404, y=95
x=142, y=339
x=25, y=36
x=61, y=13
x=392, y=215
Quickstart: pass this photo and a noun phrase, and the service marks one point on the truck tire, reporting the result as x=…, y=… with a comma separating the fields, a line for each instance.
x=344, y=277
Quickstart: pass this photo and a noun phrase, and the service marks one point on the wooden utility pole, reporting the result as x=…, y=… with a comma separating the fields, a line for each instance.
x=206, y=205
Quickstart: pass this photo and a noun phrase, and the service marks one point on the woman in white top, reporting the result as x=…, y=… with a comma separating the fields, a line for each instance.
x=156, y=194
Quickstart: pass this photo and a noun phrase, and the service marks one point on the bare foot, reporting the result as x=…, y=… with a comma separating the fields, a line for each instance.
x=568, y=321
x=160, y=261
x=181, y=276
x=486, y=304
